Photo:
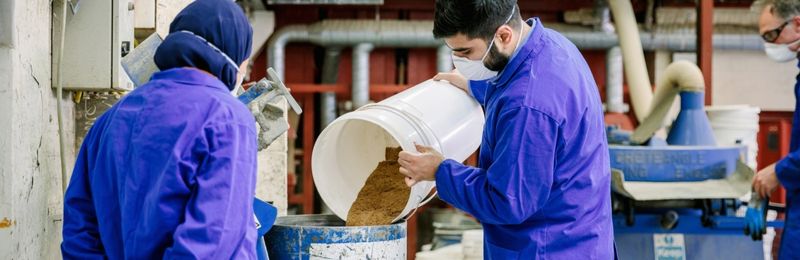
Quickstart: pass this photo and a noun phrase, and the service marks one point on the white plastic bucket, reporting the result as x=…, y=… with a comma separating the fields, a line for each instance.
x=736, y=124
x=733, y=114
x=728, y=134
x=432, y=113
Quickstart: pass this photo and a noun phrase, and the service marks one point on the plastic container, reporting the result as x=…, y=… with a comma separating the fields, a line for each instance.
x=736, y=124
x=728, y=134
x=736, y=113
x=326, y=237
x=432, y=113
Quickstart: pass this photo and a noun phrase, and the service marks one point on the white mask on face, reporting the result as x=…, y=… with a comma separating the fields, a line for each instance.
x=235, y=91
x=780, y=52
x=473, y=69
x=476, y=69
x=240, y=75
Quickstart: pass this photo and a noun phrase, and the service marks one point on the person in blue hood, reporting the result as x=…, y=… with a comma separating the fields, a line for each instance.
x=542, y=186
x=169, y=171
x=779, y=26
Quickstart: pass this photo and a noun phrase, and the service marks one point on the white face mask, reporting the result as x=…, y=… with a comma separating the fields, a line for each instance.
x=240, y=75
x=476, y=69
x=780, y=52
x=235, y=91
x=473, y=69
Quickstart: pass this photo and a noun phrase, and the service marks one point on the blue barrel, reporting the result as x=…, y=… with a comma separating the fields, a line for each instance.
x=327, y=237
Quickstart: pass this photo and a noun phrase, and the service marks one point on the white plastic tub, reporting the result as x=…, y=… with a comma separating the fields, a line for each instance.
x=736, y=114
x=736, y=124
x=432, y=113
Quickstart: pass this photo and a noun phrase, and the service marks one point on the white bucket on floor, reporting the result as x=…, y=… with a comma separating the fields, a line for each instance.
x=736, y=124
x=432, y=113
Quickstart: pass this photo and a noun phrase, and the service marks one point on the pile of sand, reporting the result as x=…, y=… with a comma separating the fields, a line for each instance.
x=384, y=195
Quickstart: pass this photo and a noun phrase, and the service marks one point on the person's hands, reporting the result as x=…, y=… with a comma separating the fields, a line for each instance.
x=420, y=167
x=455, y=78
x=765, y=181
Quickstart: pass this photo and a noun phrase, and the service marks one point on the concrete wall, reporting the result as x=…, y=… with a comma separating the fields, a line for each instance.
x=271, y=183
x=30, y=178
x=750, y=77
x=30, y=182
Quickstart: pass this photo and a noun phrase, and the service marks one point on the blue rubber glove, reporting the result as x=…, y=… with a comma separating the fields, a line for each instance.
x=755, y=217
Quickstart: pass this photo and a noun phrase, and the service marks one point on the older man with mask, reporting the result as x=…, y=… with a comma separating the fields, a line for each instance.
x=542, y=188
x=779, y=25
x=169, y=171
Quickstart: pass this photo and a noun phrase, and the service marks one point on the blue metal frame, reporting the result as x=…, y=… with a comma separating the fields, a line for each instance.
x=689, y=222
x=675, y=163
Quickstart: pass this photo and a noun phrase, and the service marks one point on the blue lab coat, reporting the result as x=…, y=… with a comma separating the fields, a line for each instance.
x=168, y=172
x=788, y=171
x=542, y=188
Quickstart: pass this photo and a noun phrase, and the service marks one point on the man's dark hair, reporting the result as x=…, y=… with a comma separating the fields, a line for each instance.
x=474, y=18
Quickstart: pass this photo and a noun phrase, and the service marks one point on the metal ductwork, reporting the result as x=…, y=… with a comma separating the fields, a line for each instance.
x=360, y=93
x=363, y=35
x=614, y=82
x=346, y=33
x=418, y=34
x=677, y=40
x=330, y=75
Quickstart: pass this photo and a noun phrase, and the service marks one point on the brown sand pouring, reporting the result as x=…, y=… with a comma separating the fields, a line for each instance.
x=384, y=195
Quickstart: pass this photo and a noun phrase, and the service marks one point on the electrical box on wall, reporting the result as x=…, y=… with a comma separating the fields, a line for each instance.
x=98, y=35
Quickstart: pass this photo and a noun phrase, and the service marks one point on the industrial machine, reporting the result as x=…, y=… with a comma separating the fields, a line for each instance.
x=678, y=198
x=678, y=195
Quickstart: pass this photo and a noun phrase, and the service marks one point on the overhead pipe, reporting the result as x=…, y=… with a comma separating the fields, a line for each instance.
x=604, y=17
x=614, y=82
x=415, y=34
x=614, y=76
x=330, y=75
x=383, y=33
x=276, y=53
x=361, y=74
x=587, y=39
x=633, y=56
x=418, y=34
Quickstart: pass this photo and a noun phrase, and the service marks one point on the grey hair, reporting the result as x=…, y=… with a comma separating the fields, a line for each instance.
x=785, y=9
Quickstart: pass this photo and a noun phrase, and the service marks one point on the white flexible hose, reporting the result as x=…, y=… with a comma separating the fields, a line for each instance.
x=678, y=76
x=634, y=63
x=59, y=96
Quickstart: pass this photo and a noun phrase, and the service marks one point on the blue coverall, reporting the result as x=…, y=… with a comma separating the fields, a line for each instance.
x=168, y=172
x=788, y=171
x=542, y=188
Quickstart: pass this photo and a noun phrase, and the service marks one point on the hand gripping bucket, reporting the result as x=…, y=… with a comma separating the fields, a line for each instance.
x=432, y=113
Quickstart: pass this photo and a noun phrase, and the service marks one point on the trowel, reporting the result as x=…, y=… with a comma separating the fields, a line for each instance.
x=139, y=63
x=261, y=99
